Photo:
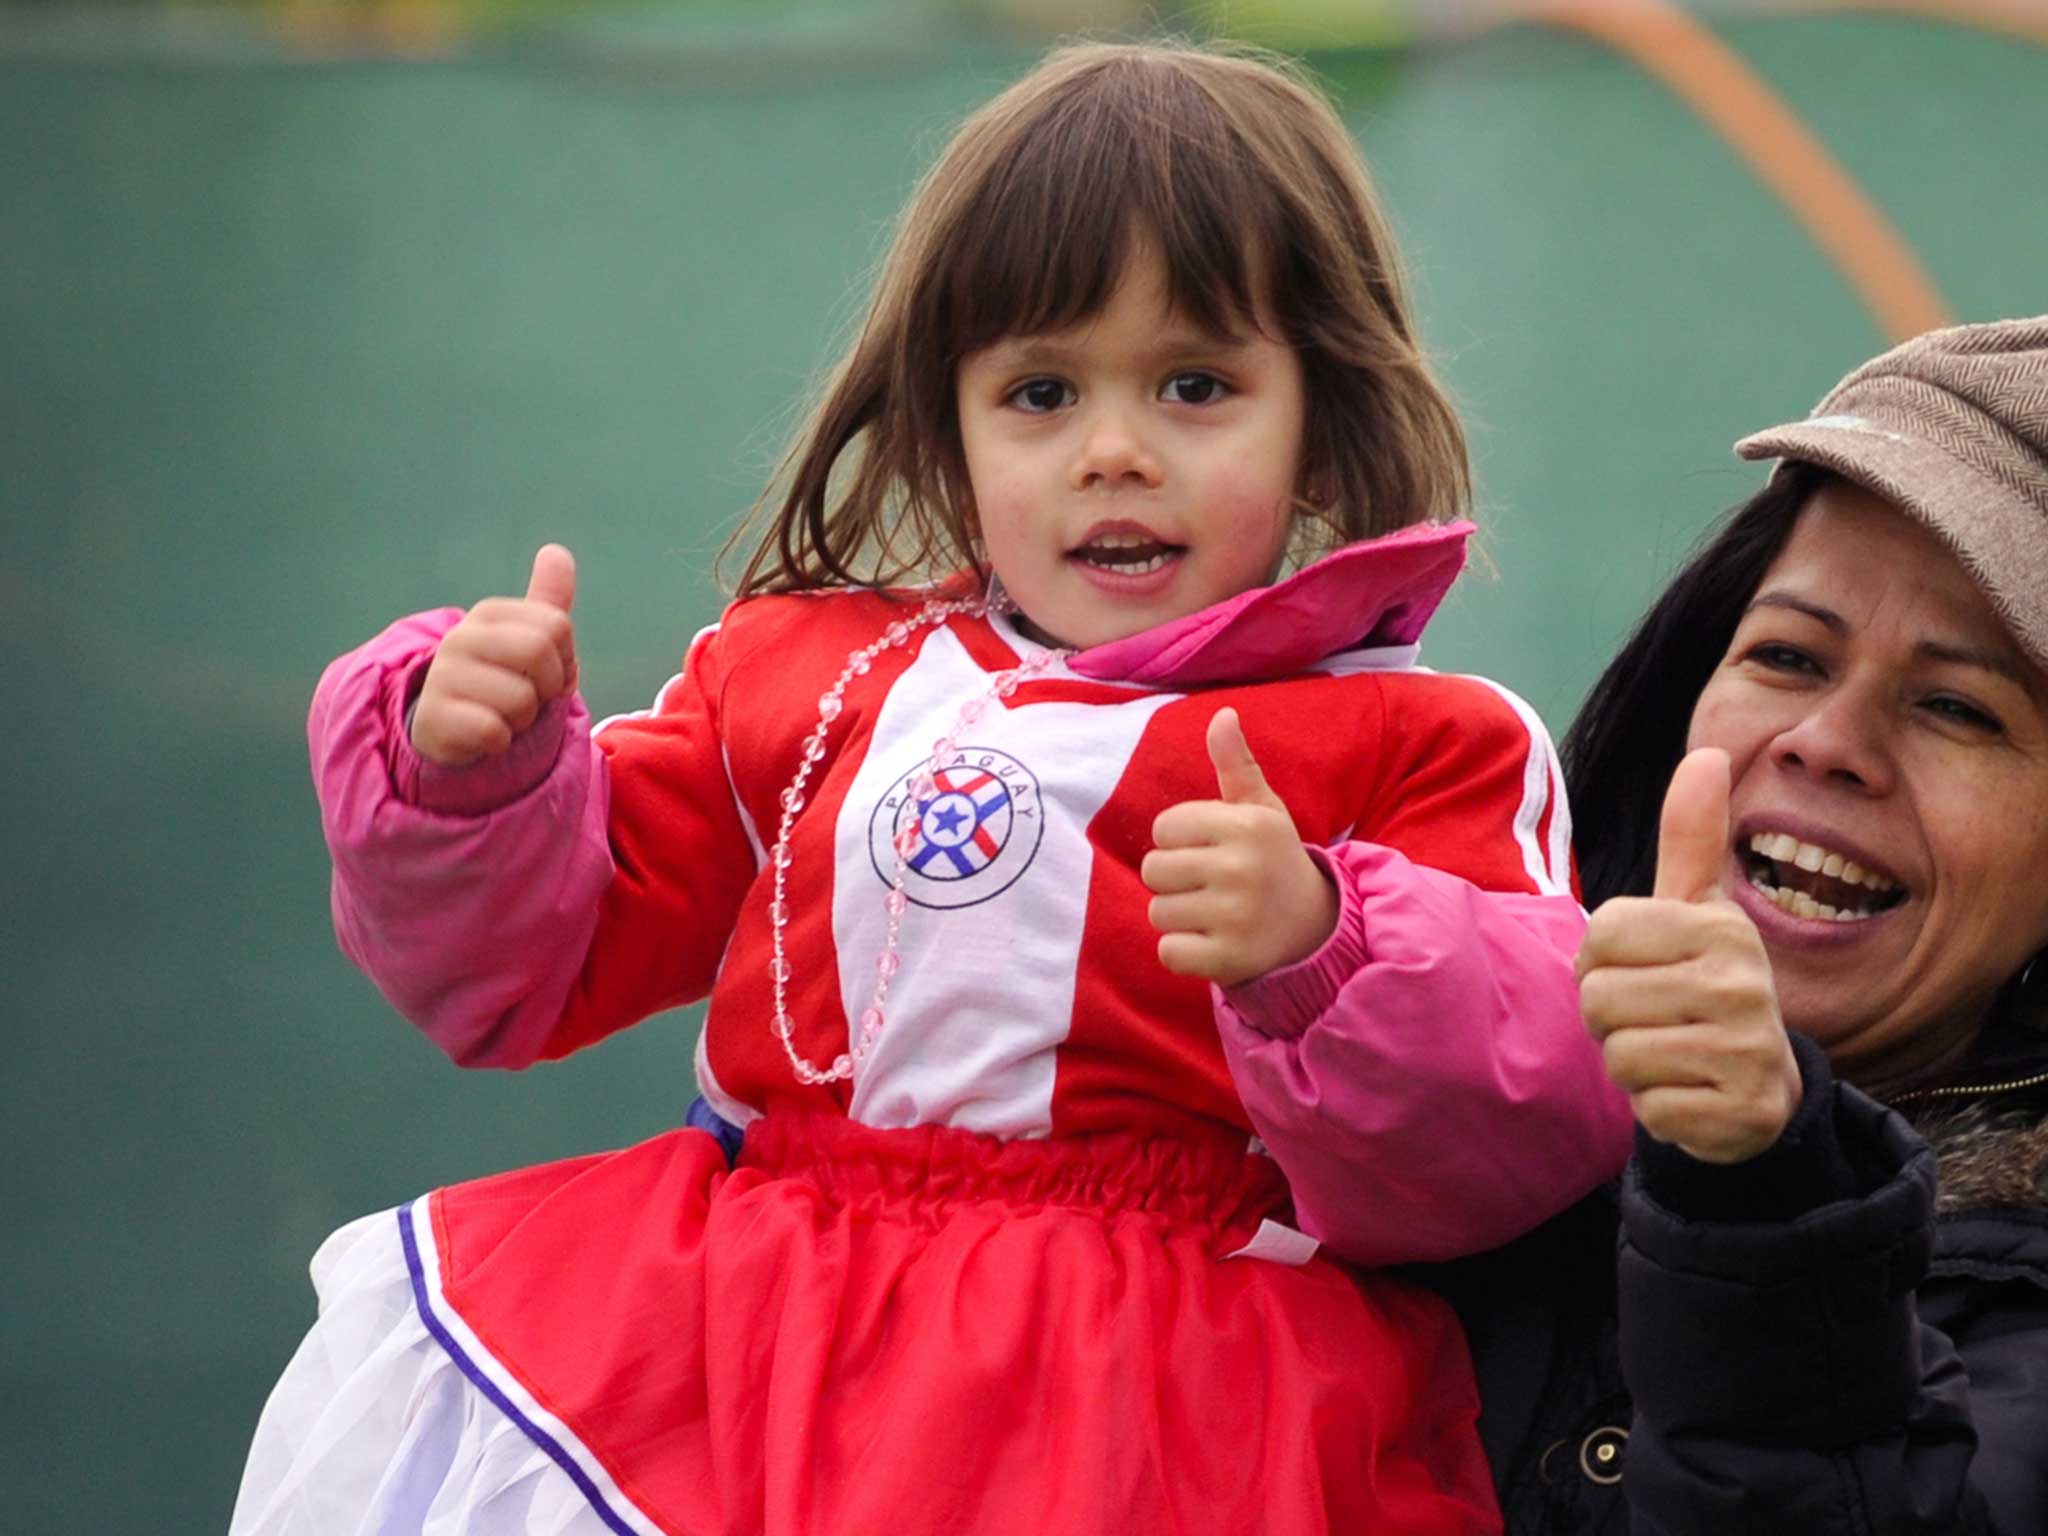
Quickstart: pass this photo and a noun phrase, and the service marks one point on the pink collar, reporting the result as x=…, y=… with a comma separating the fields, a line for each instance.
x=1377, y=593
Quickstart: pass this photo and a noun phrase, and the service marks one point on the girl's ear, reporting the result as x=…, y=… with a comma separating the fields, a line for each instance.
x=1316, y=491
x=1316, y=496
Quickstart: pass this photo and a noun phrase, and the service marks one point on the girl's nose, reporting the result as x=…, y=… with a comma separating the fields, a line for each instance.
x=1113, y=453
x=1842, y=736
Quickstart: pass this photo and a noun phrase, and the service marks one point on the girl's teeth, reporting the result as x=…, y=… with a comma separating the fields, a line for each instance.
x=1143, y=567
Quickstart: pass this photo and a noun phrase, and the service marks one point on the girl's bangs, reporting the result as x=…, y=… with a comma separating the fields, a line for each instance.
x=1042, y=242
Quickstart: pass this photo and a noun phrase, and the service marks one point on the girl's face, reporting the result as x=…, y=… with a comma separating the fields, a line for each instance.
x=1885, y=730
x=1131, y=469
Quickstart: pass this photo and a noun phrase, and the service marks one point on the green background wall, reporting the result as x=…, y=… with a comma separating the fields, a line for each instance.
x=290, y=348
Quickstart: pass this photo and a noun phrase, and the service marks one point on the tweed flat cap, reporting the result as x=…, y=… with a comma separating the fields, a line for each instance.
x=1952, y=426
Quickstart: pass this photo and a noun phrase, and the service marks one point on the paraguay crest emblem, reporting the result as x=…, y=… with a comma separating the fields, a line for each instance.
x=970, y=839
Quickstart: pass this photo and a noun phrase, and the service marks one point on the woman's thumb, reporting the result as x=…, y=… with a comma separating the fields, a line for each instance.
x=1692, y=836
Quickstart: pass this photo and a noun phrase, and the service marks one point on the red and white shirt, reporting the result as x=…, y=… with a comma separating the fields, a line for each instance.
x=581, y=882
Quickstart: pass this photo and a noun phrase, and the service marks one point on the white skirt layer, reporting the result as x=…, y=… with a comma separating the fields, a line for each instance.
x=375, y=1431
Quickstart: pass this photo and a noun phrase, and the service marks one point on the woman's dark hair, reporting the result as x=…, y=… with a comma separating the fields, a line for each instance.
x=1630, y=733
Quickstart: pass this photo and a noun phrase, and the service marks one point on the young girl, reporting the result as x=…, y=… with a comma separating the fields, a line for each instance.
x=989, y=880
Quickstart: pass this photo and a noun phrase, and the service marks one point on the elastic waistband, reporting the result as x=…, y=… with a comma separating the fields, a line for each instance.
x=1215, y=1183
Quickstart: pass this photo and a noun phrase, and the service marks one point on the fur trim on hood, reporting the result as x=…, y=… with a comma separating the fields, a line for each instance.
x=1988, y=1156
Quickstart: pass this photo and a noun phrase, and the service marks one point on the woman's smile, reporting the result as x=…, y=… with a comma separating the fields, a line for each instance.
x=1816, y=880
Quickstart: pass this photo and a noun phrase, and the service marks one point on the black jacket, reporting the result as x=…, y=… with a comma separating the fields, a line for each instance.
x=1816, y=1343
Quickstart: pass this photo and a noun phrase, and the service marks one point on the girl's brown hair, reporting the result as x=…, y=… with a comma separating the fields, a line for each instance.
x=1246, y=181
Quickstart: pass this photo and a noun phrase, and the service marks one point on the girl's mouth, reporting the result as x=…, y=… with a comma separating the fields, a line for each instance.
x=1126, y=553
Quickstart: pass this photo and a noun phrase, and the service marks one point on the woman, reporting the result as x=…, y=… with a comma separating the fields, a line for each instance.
x=1817, y=967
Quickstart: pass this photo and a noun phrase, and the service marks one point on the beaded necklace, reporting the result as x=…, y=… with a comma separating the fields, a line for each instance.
x=923, y=786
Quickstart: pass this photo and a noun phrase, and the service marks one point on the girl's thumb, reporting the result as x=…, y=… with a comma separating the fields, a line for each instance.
x=1239, y=778
x=554, y=578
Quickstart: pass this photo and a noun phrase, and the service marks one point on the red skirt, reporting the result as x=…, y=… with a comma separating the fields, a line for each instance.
x=907, y=1331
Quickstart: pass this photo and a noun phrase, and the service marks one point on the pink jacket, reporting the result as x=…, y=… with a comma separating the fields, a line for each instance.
x=472, y=896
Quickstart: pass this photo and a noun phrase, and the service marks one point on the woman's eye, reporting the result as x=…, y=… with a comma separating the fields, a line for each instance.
x=1041, y=395
x=1782, y=658
x=1964, y=713
x=1194, y=389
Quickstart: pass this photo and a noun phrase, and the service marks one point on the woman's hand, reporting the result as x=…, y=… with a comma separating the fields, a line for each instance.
x=1677, y=989
x=1235, y=895
x=495, y=671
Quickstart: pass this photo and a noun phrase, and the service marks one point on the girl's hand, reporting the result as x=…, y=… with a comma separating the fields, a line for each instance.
x=499, y=667
x=1677, y=989
x=1235, y=894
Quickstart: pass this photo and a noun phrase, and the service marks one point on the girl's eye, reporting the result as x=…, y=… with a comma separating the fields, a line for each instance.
x=1041, y=395
x=1964, y=713
x=1194, y=389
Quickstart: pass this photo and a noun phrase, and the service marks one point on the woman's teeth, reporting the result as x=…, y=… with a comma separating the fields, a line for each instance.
x=1807, y=880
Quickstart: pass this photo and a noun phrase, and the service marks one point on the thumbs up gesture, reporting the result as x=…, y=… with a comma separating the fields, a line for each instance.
x=1234, y=893
x=1677, y=989
x=499, y=667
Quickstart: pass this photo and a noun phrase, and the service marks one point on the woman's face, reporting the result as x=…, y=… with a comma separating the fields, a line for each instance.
x=1889, y=816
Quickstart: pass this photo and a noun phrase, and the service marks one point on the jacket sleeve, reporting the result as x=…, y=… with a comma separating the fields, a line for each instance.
x=532, y=903
x=1424, y=1079
x=1783, y=1378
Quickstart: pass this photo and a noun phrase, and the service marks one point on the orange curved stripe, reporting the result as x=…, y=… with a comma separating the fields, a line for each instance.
x=2026, y=20
x=1780, y=150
